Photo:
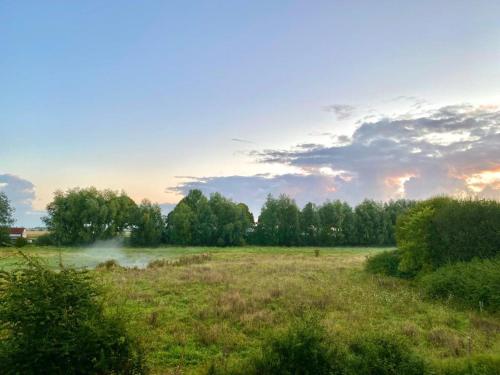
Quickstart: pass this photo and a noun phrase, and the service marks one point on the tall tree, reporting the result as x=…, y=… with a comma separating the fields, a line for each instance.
x=369, y=221
x=310, y=225
x=337, y=224
x=148, y=225
x=6, y=218
x=279, y=222
x=82, y=216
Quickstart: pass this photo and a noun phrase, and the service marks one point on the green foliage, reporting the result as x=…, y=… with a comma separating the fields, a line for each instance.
x=478, y=365
x=45, y=240
x=148, y=225
x=474, y=284
x=383, y=355
x=304, y=349
x=337, y=224
x=386, y=263
x=279, y=222
x=301, y=350
x=217, y=221
x=442, y=230
x=20, y=242
x=310, y=225
x=370, y=228
x=53, y=323
x=6, y=219
x=82, y=216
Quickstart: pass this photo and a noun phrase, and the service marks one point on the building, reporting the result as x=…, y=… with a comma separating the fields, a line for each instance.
x=15, y=233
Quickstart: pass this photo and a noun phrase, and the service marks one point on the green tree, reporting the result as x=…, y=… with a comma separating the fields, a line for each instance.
x=392, y=210
x=369, y=223
x=180, y=224
x=279, y=222
x=82, y=216
x=148, y=225
x=337, y=224
x=6, y=218
x=310, y=225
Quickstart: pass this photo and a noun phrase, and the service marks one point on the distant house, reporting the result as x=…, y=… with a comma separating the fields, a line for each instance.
x=16, y=233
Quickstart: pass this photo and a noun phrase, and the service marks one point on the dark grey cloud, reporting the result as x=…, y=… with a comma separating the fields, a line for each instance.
x=341, y=111
x=451, y=150
x=21, y=194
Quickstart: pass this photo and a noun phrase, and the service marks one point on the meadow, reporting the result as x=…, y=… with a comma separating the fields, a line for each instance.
x=219, y=307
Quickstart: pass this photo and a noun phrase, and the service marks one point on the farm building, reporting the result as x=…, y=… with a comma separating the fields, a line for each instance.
x=15, y=233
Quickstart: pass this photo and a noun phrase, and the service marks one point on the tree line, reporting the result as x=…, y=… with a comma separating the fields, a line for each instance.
x=82, y=216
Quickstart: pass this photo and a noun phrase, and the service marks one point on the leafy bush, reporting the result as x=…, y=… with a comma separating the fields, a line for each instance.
x=304, y=349
x=473, y=284
x=479, y=365
x=383, y=355
x=45, y=240
x=386, y=263
x=300, y=350
x=442, y=230
x=20, y=242
x=53, y=323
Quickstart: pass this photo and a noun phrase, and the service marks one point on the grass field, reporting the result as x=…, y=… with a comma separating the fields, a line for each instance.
x=222, y=306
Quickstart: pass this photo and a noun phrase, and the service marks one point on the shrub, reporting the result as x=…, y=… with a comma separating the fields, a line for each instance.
x=53, y=322
x=45, y=240
x=441, y=231
x=20, y=242
x=300, y=350
x=303, y=349
x=383, y=355
x=479, y=365
x=386, y=263
x=474, y=284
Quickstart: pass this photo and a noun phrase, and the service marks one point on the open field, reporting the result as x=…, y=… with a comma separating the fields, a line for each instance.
x=223, y=306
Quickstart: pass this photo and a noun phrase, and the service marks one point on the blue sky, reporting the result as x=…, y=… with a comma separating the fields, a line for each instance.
x=133, y=95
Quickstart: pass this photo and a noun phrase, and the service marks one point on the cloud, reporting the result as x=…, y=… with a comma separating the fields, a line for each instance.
x=450, y=150
x=240, y=140
x=253, y=190
x=341, y=111
x=21, y=194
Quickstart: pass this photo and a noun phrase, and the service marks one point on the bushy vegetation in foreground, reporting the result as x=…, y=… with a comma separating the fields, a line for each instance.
x=54, y=323
x=452, y=248
x=304, y=348
x=227, y=307
x=474, y=284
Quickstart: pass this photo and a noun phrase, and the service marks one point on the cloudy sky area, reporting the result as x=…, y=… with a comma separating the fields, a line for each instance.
x=319, y=100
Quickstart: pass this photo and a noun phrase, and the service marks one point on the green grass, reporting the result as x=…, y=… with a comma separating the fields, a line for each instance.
x=223, y=309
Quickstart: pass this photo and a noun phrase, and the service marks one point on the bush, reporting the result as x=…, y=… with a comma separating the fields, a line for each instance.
x=300, y=350
x=386, y=263
x=479, y=365
x=474, y=284
x=53, y=323
x=20, y=242
x=304, y=349
x=383, y=355
x=45, y=240
x=441, y=231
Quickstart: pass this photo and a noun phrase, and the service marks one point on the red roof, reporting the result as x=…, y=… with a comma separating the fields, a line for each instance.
x=17, y=230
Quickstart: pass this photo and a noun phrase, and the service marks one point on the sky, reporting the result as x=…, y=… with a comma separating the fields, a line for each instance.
x=315, y=99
